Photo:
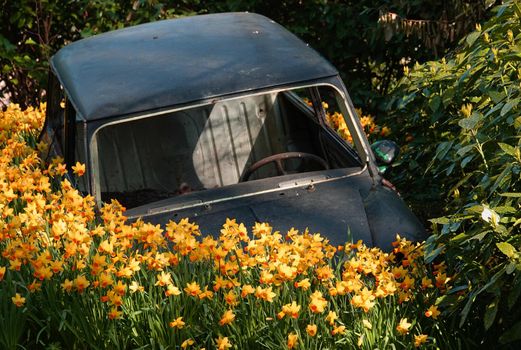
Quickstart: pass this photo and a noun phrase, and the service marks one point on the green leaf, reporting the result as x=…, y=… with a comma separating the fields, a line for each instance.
x=463, y=150
x=440, y=221
x=496, y=96
x=30, y=41
x=507, y=107
x=443, y=148
x=517, y=123
x=505, y=209
x=470, y=122
x=514, y=293
x=466, y=160
x=511, y=194
x=468, y=305
x=434, y=103
x=507, y=149
x=513, y=334
x=490, y=314
x=507, y=249
x=471, y=38
x=430, y=256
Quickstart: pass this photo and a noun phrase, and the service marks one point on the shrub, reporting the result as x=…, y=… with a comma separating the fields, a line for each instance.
x=460, y=126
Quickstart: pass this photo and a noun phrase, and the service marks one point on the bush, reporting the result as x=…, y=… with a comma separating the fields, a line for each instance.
x=460, y=126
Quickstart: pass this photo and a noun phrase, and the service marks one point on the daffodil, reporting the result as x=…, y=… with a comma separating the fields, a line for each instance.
x=177, y=323
x=433, y=312
x=403, y=327
x=292, y=340
x=420, y=339
x=18, y=300
x=311, y=329
x=227, y=318
x=223, y=343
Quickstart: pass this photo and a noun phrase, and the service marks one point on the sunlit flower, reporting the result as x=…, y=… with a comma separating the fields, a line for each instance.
x=420, y=339
x=205, y=294
x=223, y=343
x=246, y=290
x=331, y=317
x=18, y=300
x=135, y=287
x=403, y=326
x=304, y=284
x=80, y=283
x=114, y=313
x=311, y=329
x=227, y=318
x=291, y=310
x=187, y=343
x=432, y=312
x=265, y=294
x=338, y=330
x=172, y=290
x=192, y=289
x=177, y=323
x=292, y=340
x=78, y=169
x=67, y=285
x=230, y=298
x=163, y=279
x=318, y=303
x=490, y=216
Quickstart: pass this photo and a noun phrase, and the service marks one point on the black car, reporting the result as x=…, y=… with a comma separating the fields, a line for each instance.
x=217, y=116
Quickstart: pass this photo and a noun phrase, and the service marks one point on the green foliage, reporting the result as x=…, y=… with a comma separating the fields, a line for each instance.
x=347, y=32
x=461, y=129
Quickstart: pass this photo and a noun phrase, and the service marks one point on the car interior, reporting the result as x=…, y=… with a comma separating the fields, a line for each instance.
x=215, y=145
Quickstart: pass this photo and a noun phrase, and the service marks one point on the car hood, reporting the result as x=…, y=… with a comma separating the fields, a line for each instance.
x=333, y=207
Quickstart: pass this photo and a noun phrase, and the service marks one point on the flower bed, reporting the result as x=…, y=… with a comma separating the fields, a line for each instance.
x=73, y=279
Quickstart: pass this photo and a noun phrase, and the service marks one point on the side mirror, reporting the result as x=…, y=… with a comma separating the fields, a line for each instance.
x=385, y=151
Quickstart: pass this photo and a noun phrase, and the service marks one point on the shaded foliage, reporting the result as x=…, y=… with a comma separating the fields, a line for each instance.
x=460, y=124
x=347, y=32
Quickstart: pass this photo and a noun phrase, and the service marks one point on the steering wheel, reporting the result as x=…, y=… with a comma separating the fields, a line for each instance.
x=277, y=159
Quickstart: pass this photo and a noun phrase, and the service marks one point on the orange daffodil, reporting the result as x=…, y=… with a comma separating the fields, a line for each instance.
x=177, y=323
x=432, y=312
x=292, y=340
x=227, y=318
x=50, y=232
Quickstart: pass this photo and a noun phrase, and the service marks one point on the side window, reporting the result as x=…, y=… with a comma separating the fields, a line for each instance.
x=333, y=116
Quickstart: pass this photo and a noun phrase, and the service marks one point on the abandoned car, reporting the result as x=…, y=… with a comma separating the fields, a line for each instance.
x=216, y=116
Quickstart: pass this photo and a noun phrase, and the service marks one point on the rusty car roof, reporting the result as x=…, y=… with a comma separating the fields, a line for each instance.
x=171, y=62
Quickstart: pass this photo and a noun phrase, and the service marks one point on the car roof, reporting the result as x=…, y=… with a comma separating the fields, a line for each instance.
x=171, y=62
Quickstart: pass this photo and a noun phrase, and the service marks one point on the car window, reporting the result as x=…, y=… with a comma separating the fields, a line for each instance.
x=334, y=118
x=210, y=146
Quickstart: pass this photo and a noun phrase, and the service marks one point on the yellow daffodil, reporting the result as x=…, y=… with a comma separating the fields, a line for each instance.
x=223, y=343
x=311, y=329
x=18, y=300
x=419, y=340
x=177, y=323
x=227, y=318
x=292, y=340
x=403, y=326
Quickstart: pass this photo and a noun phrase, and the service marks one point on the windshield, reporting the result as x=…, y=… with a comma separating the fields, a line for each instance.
x=215, y=145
